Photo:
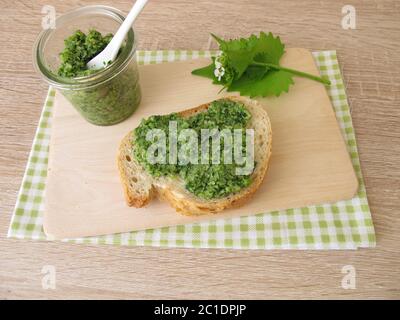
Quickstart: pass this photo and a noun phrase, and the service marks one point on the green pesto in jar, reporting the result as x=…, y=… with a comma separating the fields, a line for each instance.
x=79, y=50
x=112, y=100
x=207, y=181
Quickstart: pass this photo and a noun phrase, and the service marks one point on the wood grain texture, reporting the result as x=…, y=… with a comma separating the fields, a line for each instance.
x=371, y=66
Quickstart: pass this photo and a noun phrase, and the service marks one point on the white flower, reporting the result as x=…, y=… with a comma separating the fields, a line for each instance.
x=219, y=72
x=217, y=64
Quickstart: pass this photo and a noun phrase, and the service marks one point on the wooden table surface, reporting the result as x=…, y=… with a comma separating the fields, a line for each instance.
x=369, y=56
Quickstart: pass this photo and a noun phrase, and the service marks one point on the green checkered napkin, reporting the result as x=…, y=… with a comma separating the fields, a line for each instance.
x=341, y=225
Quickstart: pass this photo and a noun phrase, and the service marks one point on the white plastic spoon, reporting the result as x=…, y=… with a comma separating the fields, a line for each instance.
x=110, y=52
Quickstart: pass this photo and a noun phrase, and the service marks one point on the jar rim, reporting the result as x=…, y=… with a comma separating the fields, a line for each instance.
x=91, y=80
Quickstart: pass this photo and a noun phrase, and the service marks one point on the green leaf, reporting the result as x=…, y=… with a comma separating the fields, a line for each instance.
x=251, y=66
x=207, y=71
x=241, y=53
x=256, y=72
x=273, y=83
x=268, y=49
x=238, y=52
x=218, y=39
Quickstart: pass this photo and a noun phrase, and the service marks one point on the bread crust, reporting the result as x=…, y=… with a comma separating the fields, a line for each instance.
x=184, y=202
x=133, y=200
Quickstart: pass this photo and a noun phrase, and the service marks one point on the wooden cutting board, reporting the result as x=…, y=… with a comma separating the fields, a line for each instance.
x=309, y=163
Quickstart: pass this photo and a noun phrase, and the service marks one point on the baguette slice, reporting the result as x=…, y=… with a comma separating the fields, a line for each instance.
x=140, y=188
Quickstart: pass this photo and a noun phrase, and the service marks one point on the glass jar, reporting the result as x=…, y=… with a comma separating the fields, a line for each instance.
x=107, y=96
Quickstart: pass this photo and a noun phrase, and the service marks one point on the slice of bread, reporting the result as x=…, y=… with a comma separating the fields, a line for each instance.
x=140, y=187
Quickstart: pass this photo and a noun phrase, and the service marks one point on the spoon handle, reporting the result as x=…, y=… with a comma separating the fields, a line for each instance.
x=119, y=37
